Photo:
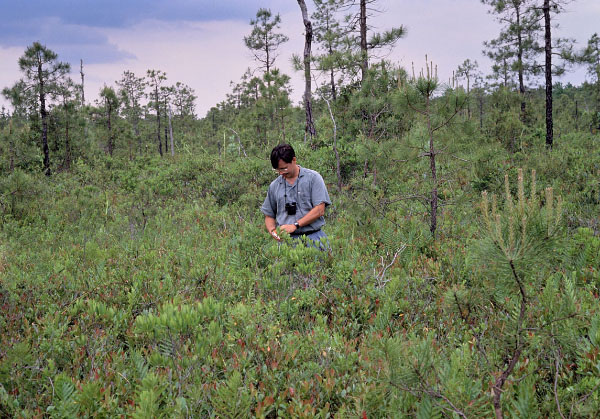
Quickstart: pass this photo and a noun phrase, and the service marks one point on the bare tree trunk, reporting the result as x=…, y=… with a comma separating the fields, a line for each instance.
x=548, y=50
x=282, y=128
x=520, y=63
x=240, y=145
x=67, y=163
x=481, y=112
x=136, y=130
x=166, y=134
x=109, y=126
x=158, y=120
x=82, y=90
x=11, y=151
x=432, y=167
x=333, y=92
x=335, y=150
x=44, y=116
x=310, y=125
x=166, y=127
x=171, y=133
x=468, y=99
x=363, y=39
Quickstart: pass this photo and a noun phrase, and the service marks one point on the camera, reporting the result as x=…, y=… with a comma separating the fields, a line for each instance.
x=290, y=208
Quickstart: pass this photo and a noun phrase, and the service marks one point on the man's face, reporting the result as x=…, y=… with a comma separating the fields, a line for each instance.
x=287, y=170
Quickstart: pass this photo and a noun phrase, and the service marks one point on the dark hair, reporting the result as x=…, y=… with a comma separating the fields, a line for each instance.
x=283, y=152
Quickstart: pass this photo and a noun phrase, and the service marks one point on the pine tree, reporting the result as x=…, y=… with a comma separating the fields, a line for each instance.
x=329, y=36
x=562, y=47
x=468, y=70
x=43, y=75
x=131, y=92
x=516, y=48
x=69, y=101
x=419, y=94
x=111, y=108
x=264, y=41
x=155, y=79
x=309, y=129
x=590, y=56
x=359, y=25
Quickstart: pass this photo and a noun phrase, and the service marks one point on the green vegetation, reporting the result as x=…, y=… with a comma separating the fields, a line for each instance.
x=142, y=283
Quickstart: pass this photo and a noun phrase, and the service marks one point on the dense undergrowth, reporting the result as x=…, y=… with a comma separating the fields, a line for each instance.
x=149, y=288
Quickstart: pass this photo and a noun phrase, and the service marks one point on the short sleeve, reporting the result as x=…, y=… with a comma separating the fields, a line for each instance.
x=269, y=207
x=319, y=192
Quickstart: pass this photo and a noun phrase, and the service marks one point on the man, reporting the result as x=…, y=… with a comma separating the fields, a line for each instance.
x=296, y=200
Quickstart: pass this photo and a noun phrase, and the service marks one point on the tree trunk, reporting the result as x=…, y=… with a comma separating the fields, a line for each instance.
x=548, y=50
x=338, y=172
x=333, y=92
x=82, y=91
x=363, y=40
x=309, y=129
x=434, y=189
x=171, y=134
x=239, y=140
x=166, y=135
x=520, y=63
x=109, y=126
x=158, y=121
x=136, y=130
x=67, y=163
x=44, y=116
x=11, y=150
x=481, y=112
x=468, y=99
x=167, y=118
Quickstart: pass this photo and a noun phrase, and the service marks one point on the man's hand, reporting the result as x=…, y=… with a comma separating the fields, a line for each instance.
x=288, y=228
x=275, y=235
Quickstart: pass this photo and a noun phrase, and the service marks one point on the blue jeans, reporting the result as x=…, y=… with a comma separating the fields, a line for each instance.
x=318, y=240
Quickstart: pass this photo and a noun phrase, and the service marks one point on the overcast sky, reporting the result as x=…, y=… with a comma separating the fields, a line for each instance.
x=200, y=42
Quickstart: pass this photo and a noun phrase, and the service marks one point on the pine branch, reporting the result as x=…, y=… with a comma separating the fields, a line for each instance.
x=555, y=389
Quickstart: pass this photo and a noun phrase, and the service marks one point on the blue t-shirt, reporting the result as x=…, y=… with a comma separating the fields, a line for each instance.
x=308, y=191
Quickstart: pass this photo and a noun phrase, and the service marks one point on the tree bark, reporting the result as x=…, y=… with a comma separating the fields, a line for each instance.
x=136, y=130
x=481, y=112
x=11, y=151
x=167, y=118
x=171, y=134
x=363, y=39
x=548, y=51
x=109, y=126
x=432, y=167
x=520, y=62
x=67, y=144
x=44, y=116
x=166, y=134
x=82, y=91
x=309, y=129
x=338, y=171
x=158, y=120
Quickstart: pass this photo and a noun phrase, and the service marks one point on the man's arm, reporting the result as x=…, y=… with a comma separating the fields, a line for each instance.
x=271, y=224
x=312, y=216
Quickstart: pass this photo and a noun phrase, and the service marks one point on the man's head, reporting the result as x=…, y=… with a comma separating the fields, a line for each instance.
x=283, y=160
x=283, y=152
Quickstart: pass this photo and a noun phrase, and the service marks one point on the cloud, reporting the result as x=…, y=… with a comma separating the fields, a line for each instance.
x=124, y=13
x=71, y=42
x=77, y=28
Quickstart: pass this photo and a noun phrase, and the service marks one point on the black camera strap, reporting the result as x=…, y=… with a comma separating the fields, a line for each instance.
x=285, y=183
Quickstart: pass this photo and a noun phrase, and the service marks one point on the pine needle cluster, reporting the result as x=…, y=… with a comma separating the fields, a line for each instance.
x=523, y=232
